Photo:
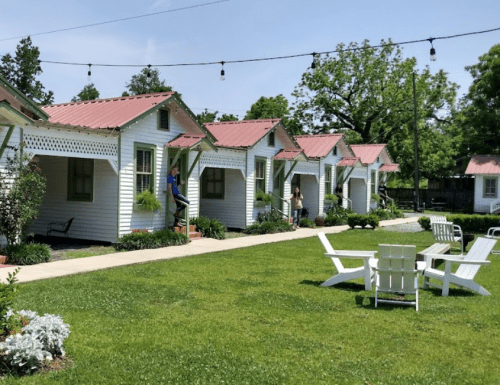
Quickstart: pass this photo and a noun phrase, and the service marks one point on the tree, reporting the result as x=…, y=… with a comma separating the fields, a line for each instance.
x=227, y=118
x=480, y=113
x=206, y=117
x=22, y=71
x=141, y=84
x=273, y=107
x=22, y=187
x=89, y=92
x=369, y=91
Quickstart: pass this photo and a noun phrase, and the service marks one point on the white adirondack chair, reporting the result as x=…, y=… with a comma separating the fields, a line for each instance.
x=346, y=274
x=395, y=273
x=469, y=266
x=447, y=232
x=437, y=218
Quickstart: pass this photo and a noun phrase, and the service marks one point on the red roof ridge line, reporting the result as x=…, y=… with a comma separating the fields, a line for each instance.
x=316, y=135
x=245, y=121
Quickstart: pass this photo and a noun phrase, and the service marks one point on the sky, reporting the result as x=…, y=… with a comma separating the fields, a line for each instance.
x=236, y=30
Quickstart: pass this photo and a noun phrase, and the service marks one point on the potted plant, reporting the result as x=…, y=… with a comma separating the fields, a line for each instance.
x=330, y=199
x=262, y=199
x=374, y=201
x=147, y=201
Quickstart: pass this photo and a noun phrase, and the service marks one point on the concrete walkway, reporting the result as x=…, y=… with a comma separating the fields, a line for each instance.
x=201, y=246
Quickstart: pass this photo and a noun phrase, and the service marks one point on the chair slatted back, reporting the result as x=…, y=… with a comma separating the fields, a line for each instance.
x=437, y=218
x=396, y=269
x=329, y=249
x=479, y=252
x=443, y=231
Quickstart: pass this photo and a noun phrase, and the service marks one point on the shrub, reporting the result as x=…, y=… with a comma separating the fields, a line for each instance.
x=306, y=222
x=51, y=331
x=381, y=213
x=337, y=216
x=7, y=294
x=375, y=198
x=27, y=253
x=268, y=227
x=140, y=241
x=210, y=228
x=148, y=201
x=320, y=220
x=474, y=223
x=362, y=220
x=270, y=216
x=262, y=196
x=331, y=197
x=23, y=353
x=140, y=231
x=425, y=222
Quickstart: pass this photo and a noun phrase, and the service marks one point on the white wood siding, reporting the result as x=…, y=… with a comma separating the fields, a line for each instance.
x=358, y=195
x=96, y=220
x=311, y=192
x=482, y=205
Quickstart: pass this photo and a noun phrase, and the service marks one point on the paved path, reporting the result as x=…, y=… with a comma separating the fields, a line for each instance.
x=201, y=246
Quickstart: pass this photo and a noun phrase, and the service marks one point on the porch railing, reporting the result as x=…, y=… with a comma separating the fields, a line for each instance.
x=186, y=215
x=288, y=215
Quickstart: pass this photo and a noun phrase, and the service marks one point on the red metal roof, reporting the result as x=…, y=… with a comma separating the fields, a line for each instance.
x=367, y=152
x=484, y=164
x=389, y=167
x=349, y=161
x=317, y=146
x=241, y=133
x=186, y=140
x=288, y=154
x=104, y=113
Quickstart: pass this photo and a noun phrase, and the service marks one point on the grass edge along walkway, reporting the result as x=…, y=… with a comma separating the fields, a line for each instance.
x=201, y=246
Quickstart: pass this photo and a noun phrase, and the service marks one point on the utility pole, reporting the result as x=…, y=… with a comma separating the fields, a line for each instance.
x=415, y=202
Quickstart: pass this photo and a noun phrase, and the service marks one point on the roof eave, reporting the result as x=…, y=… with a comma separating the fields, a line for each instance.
x=30, y=104
x=13, y=114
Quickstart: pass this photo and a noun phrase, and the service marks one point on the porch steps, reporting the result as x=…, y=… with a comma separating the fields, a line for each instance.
x=193, y=234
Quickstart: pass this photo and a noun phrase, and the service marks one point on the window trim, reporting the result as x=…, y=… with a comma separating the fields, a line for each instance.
x=205, y=181
x=260, y=159
x=71, y=182
x=147, y=147
x=328, y=190
x=495, y=179
x=269, y=136
x=334, y=151
x=159, y=119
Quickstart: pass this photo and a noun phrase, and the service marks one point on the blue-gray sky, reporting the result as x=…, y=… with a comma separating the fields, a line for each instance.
x=234, y=30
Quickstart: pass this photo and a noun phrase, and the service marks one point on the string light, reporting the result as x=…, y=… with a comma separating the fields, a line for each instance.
x=148, y=74
x=222, y=73
x=433, y=51
x=313, y=64
x=89, y=74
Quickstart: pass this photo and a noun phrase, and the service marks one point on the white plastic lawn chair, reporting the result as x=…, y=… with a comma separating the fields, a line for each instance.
x=448, y=232
x=395, y=273
x=346, y=274
x=469, y=266
x=437, y=218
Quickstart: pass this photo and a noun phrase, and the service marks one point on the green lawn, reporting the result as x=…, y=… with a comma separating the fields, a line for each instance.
x=258, y=316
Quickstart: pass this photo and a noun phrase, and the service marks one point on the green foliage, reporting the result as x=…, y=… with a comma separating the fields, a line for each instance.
x=320, y=220
x=331, y=197
x=141, y=84
x=262, y=196
x=22, y=187
x=369, y=91
x=8, y=293
x=474, y=223
x=375, y=198
x=210, y=228
x=206, y=117
x=22, y=71
x=140, y=241
x=148, y=201
x=306, y=222
x=227, y=118
x=89, y=92
x=425, y=222
x=269, y=216
x=386, y=214
x=27, y=253
x=336, y=216
x=280, y=226
x=362, y=220
x=273, y=107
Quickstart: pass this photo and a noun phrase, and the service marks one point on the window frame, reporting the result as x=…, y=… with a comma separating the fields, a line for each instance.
x=145, y=147
x=72, y=195
x=334, y=151
x=160, y=111
x=493, y=195
x=328, y=183
x=257, y=160
x=271, y=143
x=205, y=181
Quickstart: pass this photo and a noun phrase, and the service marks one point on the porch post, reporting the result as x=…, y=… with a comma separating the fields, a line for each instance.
x=194, y=164
x=291, y=169
x=6, y=139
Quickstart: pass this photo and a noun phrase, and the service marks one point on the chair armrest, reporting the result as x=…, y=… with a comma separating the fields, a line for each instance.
x=485, y=262
x=351, y=254
x=421, y=266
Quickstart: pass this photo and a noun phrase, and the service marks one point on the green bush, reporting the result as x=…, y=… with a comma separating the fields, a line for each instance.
x=141, y=241
x=7, y=294
x=331, y=197
x=306, y=222
x=320, y=220
x=210, y=228
x=387, y=214
x=474, y=223
x=375, y=198
x=148, y=201
x=268, y=227
x=269, y=216
x=425, y=222
x=27, y=253
x=262, y=196
x=337, y=216
x=362, y=220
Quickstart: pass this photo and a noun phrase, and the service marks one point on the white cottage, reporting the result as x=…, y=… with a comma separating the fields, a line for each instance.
x=486, y=171
x=98, y=155
x=252, y=155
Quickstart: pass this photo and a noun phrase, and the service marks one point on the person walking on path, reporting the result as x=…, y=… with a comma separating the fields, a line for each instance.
x=382, y=192
x=175, y=193
x=338, y=192
x=296, y=199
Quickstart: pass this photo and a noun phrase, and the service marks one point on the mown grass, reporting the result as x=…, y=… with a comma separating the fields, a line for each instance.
x=258, y=316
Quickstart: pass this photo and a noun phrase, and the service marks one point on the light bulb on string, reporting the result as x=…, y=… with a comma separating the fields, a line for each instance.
x=313, y=64
x=222, y=72
x=433, y=51
x=148, y=73
x=89, y=74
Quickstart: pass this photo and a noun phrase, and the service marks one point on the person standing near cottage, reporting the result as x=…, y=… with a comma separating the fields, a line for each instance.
x=175, y=193
x=338, y=192
x=382, y=192
x=297, y=200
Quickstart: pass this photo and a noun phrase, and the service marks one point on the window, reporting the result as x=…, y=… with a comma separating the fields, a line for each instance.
x=334, y=152
x=212, y=183
x=374, y=184
x=270, y=139
x=260, y=174
x=144, y=167
x=80, y=179
x=163, y=120
x=328, y=179
x=490, y=188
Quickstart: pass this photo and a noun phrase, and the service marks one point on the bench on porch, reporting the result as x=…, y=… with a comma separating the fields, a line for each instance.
x=436, y=248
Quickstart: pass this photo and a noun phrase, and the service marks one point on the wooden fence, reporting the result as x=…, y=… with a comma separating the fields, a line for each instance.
x=453, y=199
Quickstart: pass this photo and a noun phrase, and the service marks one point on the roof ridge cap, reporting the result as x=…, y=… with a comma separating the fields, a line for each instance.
x=111, y=99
